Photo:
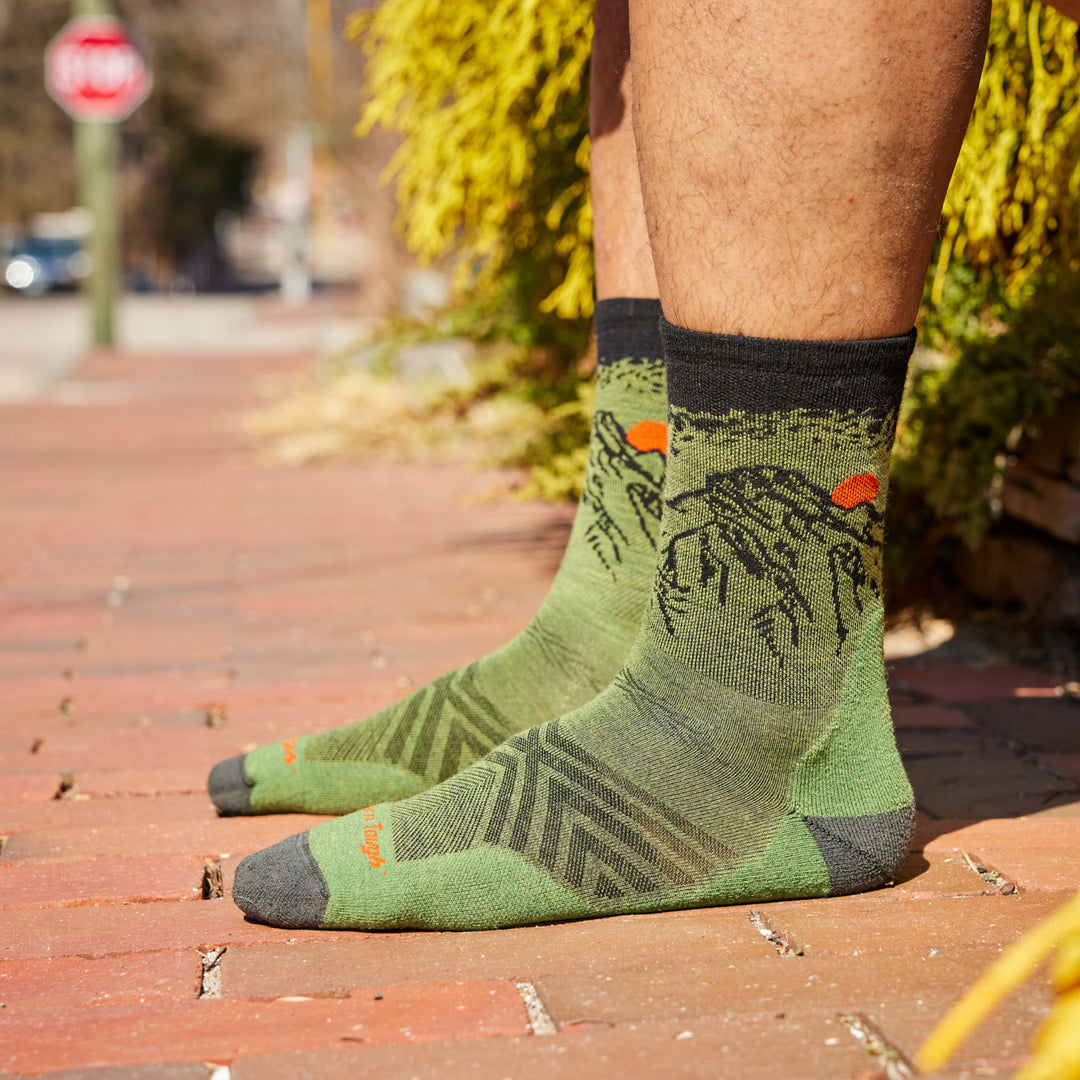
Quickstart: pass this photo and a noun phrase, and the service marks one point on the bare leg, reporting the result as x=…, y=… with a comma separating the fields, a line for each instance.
x=624, y=265
x=795, y=156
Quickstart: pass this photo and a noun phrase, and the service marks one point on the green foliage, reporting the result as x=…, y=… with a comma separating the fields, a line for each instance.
x=1014, y=201
x=559, y=451
x=964, y=414
x=490, y=104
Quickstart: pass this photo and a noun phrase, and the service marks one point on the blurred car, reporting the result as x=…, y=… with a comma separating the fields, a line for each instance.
x=36, y=265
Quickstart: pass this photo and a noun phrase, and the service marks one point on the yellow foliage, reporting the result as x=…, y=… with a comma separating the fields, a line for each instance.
x=1014, y=200
x=490, y=101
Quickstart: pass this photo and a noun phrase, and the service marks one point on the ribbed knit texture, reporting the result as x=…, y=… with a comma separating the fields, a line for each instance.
x=569, y=652
x=745, y=751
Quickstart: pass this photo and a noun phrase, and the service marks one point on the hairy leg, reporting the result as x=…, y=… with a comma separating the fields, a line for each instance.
x=624, y=265
x=794, y=157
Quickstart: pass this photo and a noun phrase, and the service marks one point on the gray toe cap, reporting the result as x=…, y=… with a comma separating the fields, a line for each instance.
x=283, y=885
x=229, y=787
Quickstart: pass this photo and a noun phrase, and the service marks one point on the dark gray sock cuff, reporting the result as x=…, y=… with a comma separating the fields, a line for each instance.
x=720, y=373
x=627, y=326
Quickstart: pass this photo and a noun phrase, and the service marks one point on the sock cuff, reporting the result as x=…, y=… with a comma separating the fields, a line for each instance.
x=628, y=326
x=721, y=373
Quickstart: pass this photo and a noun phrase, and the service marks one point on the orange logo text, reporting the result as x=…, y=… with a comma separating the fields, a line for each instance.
x=371, y=837
x=289, y=746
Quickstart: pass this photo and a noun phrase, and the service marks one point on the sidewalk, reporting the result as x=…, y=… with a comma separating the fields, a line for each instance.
x=165, y=603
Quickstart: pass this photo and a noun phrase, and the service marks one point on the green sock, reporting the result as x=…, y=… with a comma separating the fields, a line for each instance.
x=569, y=652
x=744, y=753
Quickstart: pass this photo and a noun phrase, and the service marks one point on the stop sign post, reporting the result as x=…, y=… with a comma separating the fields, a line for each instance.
x=97, y=74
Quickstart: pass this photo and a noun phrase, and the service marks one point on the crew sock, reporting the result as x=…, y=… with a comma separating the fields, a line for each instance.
x=569, y=652
x=744, y=752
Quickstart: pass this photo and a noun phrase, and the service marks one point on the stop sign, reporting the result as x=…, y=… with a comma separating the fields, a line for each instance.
x=94, y=71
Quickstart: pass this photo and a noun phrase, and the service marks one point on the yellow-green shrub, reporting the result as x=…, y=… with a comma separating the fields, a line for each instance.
x=490, y=101
x=1002, y=292
x=1014, y=201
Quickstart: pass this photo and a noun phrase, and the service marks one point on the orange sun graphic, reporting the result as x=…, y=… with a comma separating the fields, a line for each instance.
x=849, y=493
x=648, y=435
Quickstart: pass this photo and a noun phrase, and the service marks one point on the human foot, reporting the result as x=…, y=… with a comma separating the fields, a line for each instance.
x=568, y=653
x=744, y=753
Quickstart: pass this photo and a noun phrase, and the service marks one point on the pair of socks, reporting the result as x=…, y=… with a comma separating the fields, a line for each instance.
x=719, y=729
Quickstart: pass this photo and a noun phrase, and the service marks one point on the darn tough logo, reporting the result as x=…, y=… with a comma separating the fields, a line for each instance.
x=289, y=746
x=371, y=838
x=854, y=490
x=648, y=435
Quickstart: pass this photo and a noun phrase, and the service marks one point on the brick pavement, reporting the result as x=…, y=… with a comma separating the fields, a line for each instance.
x=166, y=602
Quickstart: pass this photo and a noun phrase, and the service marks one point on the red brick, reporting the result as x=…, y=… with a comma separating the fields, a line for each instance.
x=928, y=828
x=151, y=690
x=353, y=696
x=208, y=837
x=150, y=748
x=1064, y=765
x=67, y=982
x=173, y=643
x=245, y=720
x=165, y=1070
x=594, y=945
x=1040, y=854
x=128, y=880
x=165, y=499
x=27, y=787
x=911, y=1003
x=118, y=928
x=935, y=874
x=92, y=813
x=1062, y=803
x=1034, y=871
x=902, y=993
x=1046, y=724
x=988, y=781
x=17, y=744
x=220, y=1031
x=103, y=782
x=799, y=1045
x=935, y=717
x=856, y=925
x=955, y=683
x=256, y=711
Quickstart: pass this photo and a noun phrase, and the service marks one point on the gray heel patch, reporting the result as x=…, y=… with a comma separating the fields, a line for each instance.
x=283, y=885
x=862, y=852
x=229, y=787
